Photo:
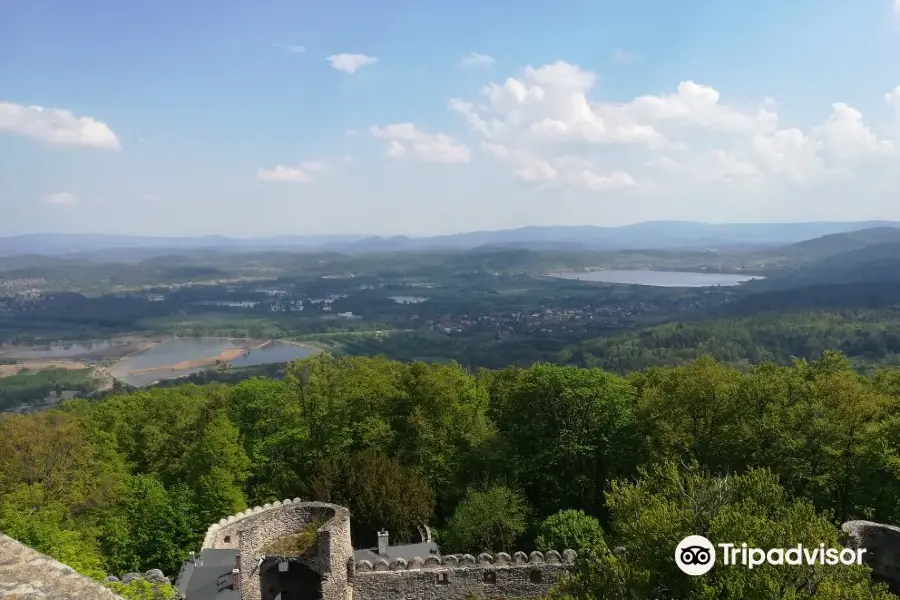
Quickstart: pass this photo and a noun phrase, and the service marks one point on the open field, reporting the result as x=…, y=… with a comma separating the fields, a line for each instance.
x=109, y=349
x=70, y=365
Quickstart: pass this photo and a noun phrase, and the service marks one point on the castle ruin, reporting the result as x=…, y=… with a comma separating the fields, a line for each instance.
x=242, y=560
x=237, y=563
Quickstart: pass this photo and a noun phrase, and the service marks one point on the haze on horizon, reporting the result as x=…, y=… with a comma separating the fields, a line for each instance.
x=267, y=118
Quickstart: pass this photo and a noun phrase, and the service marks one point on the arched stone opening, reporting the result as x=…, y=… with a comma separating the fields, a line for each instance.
x=290, y=581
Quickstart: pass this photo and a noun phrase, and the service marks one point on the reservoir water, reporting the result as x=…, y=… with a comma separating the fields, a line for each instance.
x=408, y=299
x=273, y=352
x=657, y=278
x=167, y=360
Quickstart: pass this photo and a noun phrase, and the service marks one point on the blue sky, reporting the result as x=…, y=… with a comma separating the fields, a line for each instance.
x=274, y=117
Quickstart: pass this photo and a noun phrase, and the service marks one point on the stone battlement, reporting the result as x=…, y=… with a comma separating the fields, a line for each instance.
x=321, y=571
x=458, y=577
x=463, y=561
x=209, y=540
x=329, y=571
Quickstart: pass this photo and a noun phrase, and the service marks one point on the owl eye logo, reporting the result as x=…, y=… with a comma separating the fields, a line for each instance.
x=695, y=555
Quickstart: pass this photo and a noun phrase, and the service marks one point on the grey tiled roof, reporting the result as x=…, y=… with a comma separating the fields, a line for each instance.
x=208, y=577
x=406, y=551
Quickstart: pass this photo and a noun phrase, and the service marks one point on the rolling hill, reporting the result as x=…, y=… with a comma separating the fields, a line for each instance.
x=820, y=248
x=645, y=236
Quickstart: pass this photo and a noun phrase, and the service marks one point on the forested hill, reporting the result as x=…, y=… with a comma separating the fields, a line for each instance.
x=544, y=457
x=872, y=255
x=866, y=336
x=820, y=248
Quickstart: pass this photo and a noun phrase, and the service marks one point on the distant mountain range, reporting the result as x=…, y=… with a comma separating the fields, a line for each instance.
x=654, y=235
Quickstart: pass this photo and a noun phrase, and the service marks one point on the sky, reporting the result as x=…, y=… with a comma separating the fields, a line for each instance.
x=277, y=117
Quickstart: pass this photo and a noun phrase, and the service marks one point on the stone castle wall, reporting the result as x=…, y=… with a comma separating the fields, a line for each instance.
x=882, y=544
x=26, y=573
x=251, y=530
x=456, y=577
x=450, y=577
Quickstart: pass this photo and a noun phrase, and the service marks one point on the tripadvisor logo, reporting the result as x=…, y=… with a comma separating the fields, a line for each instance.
x=696, y=555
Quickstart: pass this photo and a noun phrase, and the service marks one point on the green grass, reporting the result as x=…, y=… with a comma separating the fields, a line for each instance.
x=295, y=544
x=211, y=320
x=28, y=386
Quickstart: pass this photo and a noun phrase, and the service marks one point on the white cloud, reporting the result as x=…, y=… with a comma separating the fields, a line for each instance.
x=893, y=97
x=477, y=60
x=546, y=126
x=622, y=57
x=293, y=48
x=404, y=140
x=56, y=126
x=60, y=199
x=592, y=181
x=305, y=172
x=536, y=169
x=844, y=135
x=897, y=7
x=350, y=63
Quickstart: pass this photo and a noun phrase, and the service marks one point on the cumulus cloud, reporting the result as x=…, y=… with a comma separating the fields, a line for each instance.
x=305, y=172
x=56, y=126
x=477, y=60
x=60, y=199
x=622, y=57
x=406, y=141
x=351, y=63
x=844, y=135
x=548, y=126
x=893, y=97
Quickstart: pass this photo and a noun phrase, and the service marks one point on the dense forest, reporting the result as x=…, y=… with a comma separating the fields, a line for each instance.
x=868, y=337
x=521, y=458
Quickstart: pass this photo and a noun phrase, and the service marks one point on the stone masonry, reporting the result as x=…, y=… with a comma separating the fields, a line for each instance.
x=882, y=544
x=342, y=578
x=26, y=574
x=250, y=531
x=456, y=577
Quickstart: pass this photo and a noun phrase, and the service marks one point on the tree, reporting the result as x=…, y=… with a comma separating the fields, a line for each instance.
x=379, y=491
x=29, y=514
x=569, y=529
x=668, y=503
x=216, y=468
x=141, y=589
x=151, y=528
x=488, y=521
x=569, y=430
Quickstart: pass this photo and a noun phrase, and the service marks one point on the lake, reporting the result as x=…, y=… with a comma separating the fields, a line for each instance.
x=408, y=299
x=181, y=357
x=657, y=278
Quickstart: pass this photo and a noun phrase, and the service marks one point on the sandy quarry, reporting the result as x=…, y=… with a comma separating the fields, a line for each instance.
x=8, y=370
